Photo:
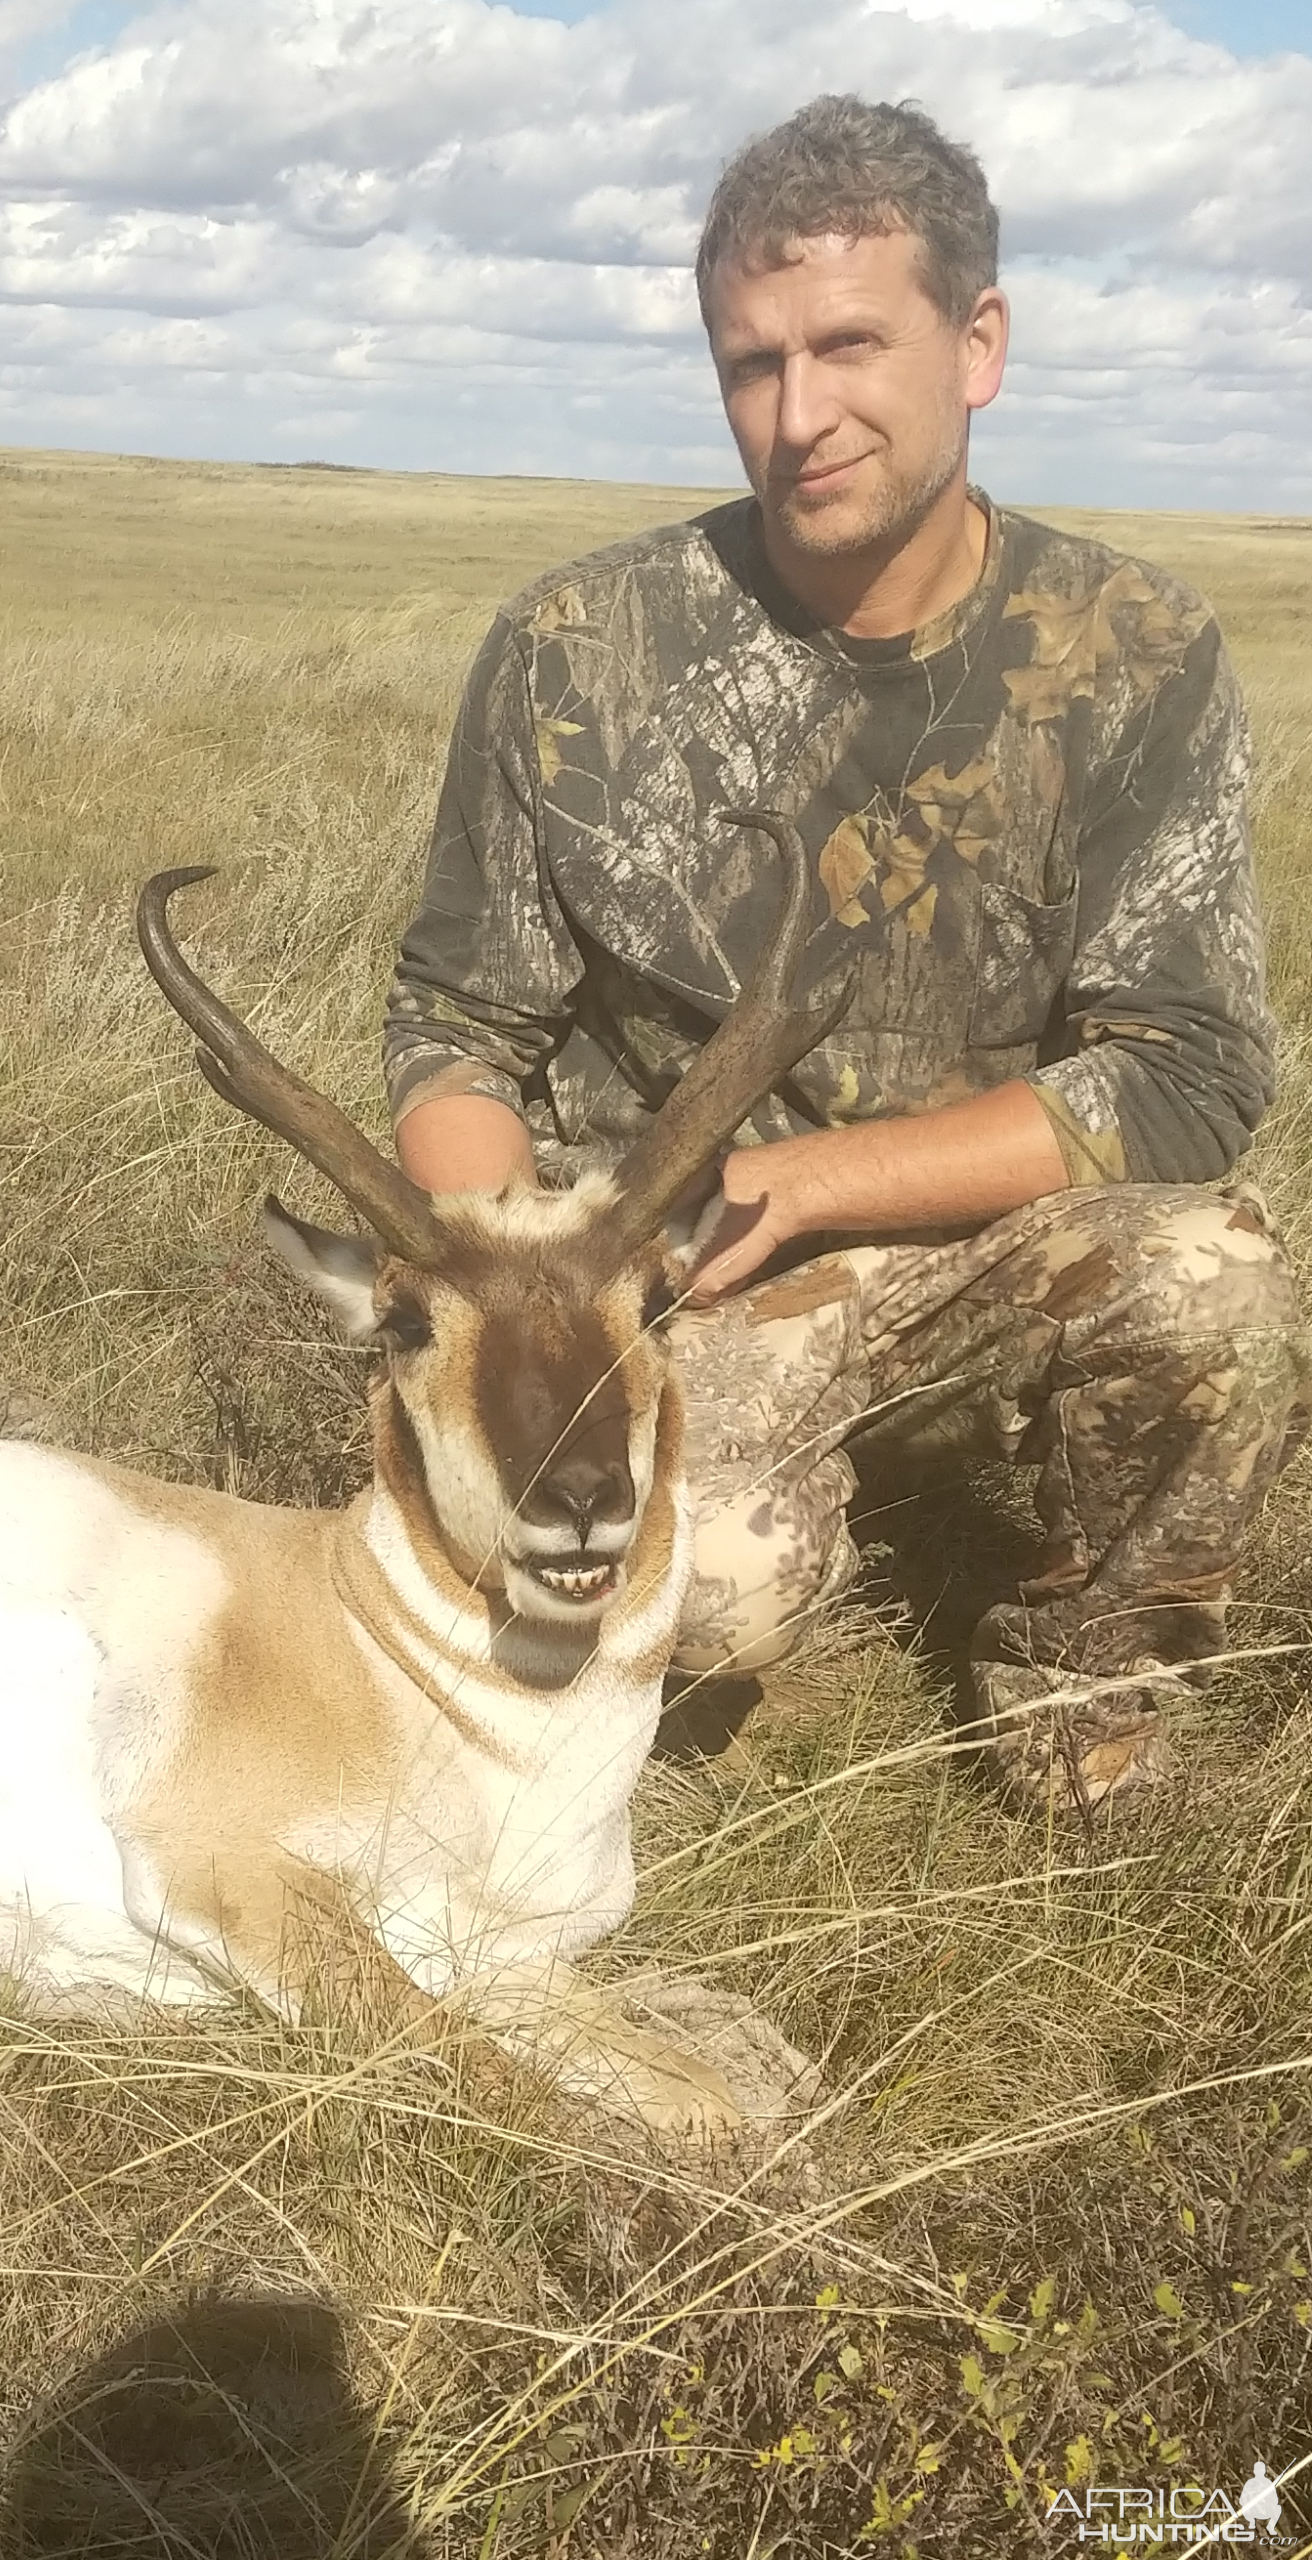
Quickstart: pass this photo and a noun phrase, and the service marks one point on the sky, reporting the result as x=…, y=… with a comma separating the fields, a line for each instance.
x=456, y=235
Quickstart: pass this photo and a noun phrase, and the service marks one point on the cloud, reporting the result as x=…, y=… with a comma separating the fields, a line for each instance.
x=20, y=20
x=439, y=233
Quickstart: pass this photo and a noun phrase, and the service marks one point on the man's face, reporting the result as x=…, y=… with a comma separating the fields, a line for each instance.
x=847, y=391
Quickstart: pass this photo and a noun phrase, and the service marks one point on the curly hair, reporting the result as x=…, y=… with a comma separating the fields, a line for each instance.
x=841, y=165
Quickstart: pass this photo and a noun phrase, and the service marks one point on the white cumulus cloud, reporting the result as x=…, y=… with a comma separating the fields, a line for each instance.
x=441, y=234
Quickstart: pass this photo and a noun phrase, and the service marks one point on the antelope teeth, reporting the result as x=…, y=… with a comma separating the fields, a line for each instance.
x=576, y=1584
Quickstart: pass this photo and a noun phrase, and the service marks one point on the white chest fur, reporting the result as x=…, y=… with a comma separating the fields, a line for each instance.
x=496, y=1828
x=483, y=1855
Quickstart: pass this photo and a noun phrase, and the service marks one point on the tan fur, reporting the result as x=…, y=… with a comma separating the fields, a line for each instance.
x=311, y=1714
x=426, y=1717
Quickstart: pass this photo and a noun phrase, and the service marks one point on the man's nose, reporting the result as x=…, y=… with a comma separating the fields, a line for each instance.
x=807, y=406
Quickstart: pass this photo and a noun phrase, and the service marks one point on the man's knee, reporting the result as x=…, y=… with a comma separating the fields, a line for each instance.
x=763, y=1567
x=1223, y=1251
x=1181, y=1361
x=1168, y=1263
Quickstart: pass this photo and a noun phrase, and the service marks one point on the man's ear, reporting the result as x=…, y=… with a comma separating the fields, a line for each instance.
x=340, y=1269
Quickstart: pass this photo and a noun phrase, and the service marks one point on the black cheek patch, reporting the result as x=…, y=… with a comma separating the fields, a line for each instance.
x=659, y=1302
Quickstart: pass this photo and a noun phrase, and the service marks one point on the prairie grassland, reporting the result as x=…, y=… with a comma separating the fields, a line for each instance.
x=277, y=2294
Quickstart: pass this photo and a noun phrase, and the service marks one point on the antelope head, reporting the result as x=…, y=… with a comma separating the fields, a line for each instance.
x=525, y=1380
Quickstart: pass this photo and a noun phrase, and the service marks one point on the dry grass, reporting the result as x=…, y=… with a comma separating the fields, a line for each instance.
x=317, y=2294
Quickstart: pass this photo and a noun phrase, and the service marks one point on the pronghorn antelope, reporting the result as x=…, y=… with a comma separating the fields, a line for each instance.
x=434, y=1705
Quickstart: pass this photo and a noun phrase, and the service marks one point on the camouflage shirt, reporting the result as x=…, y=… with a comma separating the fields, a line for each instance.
x=1027, y=818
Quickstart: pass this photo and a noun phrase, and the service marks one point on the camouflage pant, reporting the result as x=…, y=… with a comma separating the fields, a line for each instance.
x=1140, y=1345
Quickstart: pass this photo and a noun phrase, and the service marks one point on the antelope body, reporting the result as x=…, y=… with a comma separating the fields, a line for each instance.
x=214, y=1693
x=429, y=1710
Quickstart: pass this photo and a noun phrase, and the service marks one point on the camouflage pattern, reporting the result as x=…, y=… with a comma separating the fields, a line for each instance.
x=1139, y=1345
x=1026, y=818
x=1027, y=822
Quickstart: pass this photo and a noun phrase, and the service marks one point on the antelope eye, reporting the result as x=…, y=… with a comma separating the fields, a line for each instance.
x=404, y=1325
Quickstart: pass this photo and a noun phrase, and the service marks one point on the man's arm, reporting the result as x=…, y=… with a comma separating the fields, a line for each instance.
x=1167, y=1058
x=961, y=1166
x=1167, y=1064
x=958, y=1167
x=464, y=1142
x=486, y=974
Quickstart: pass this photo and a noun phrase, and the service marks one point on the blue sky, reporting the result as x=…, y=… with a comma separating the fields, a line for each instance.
x=1247, y=27
x=425, y=234
x=96, y=22
x=44, y=54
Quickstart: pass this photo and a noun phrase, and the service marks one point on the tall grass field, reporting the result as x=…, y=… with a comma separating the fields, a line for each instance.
x=276, y=2296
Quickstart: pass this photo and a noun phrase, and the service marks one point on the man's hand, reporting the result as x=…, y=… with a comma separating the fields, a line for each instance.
x=769, y=1194
x=959, y=1167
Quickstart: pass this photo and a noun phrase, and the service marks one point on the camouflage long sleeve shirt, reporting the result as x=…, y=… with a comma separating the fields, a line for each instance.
x=1027, y=819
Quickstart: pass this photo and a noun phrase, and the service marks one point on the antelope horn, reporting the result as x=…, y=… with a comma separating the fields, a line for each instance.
x=760, y=1039
x=247, y=1074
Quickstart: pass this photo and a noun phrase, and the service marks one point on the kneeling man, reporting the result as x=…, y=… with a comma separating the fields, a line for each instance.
x=972, y=1218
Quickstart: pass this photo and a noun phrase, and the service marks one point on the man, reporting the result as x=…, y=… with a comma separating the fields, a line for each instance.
x=1019, y=762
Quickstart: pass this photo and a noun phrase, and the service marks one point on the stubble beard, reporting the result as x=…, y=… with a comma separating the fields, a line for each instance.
x=895, y=510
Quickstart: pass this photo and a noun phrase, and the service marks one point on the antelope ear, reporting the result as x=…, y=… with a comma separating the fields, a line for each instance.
x=340, y=1269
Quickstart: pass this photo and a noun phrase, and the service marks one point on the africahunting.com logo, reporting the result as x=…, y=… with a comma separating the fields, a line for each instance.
x=1121, y=2518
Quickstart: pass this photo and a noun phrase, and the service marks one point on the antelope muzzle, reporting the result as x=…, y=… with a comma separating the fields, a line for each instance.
x=571, y=1426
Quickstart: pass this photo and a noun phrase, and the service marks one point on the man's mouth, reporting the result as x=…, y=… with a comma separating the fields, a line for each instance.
x=823, y=475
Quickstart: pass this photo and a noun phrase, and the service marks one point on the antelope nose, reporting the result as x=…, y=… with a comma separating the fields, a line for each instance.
x=581, y=1491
